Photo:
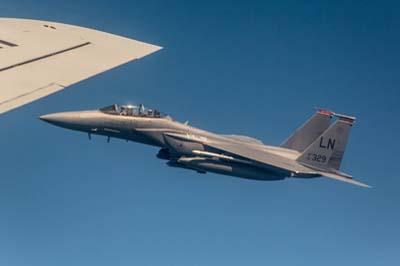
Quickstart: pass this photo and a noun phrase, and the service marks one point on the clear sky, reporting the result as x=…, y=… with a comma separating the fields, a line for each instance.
x=256, y=68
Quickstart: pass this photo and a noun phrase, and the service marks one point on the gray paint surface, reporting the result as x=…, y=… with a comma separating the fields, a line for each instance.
x=314, y=150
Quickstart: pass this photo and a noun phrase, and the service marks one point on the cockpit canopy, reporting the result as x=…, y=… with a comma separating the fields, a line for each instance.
x=133, y=110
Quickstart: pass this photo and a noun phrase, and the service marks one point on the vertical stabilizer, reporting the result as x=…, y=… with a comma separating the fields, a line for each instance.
x=326, y=152
x=305, y=135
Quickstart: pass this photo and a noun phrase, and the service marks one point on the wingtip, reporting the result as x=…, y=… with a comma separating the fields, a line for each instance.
x=156, y=48
x=363, y=185
x=151, y=48
x=357, y=183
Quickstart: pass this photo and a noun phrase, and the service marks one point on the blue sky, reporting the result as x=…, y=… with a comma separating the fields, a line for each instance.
x=256, y=68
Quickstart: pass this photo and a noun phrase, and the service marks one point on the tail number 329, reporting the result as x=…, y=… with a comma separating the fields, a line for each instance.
x=316, y=157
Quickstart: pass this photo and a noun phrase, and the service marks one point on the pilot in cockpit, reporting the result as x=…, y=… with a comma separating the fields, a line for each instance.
x=141, y=109
x=126, y=110
x=131, y=110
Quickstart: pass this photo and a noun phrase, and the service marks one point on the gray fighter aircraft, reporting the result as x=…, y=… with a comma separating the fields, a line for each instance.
x=315, y=149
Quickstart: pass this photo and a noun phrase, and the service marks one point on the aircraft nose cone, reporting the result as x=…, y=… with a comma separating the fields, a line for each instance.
x=66, y=120
x=49, y=118
x=56, y=118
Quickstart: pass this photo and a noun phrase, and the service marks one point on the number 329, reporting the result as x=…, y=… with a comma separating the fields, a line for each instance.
x=316, y=157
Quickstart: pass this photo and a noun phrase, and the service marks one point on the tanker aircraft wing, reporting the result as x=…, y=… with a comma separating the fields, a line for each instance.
x=38, y=58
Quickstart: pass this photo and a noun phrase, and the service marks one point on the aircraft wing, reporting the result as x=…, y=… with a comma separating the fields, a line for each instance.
x=244, y=139
x=38, y=58
x=261, y=157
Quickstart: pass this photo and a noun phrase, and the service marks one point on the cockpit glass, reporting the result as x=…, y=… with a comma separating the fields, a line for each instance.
x=133, y=110
x=112, y=109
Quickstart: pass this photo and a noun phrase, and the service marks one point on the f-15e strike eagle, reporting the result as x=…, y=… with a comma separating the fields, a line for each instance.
x=316, y=149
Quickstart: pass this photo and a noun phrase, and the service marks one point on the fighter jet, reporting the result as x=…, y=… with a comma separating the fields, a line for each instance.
x=315, y=149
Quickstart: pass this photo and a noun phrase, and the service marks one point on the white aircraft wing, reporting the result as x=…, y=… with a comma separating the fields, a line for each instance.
x=38, y=58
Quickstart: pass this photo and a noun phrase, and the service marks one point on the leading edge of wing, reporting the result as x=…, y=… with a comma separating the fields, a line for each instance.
x=38, y=58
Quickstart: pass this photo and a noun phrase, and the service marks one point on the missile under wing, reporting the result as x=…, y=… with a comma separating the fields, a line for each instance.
x=38, y=58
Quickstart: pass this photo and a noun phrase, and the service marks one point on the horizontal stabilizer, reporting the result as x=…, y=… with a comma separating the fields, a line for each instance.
x=344, y=179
